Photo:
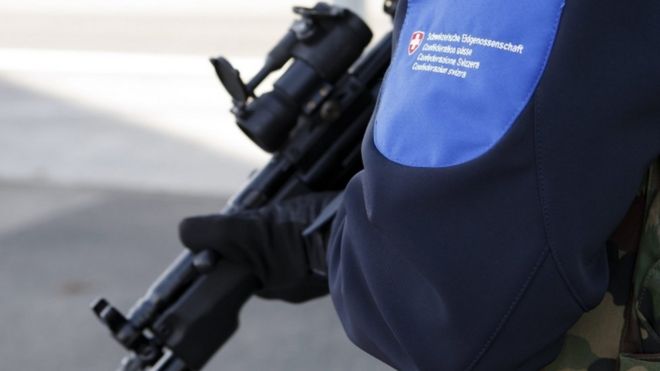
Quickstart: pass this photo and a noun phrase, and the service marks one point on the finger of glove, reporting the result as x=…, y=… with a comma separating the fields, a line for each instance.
x=233, y=237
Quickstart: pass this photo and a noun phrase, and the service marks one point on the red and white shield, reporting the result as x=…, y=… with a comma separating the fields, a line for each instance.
x=415, y=42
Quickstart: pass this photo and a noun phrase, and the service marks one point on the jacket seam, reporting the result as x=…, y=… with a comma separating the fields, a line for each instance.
x=514, y=304
x=540, y=181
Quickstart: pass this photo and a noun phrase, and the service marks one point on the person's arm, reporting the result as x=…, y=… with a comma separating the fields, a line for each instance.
x=475, y=236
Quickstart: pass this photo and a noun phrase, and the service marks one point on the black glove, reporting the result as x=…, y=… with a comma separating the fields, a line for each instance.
x=270, y=241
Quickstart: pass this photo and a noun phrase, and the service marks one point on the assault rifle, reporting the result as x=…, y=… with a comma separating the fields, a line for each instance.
x=313, y=121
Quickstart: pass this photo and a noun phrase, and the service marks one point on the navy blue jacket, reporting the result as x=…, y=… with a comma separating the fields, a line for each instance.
x=508, y=142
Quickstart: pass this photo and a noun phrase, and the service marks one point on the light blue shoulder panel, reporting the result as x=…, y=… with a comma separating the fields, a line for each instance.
x=462, y=73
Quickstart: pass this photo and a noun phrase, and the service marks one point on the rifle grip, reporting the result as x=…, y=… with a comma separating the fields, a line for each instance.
x=206, y=315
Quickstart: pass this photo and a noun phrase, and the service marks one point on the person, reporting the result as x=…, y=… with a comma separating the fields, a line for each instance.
x=508, y=142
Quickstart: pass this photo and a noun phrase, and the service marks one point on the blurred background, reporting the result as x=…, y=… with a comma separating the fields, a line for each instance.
x=113, y=127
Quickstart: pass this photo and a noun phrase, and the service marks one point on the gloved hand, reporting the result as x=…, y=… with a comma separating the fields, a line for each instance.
x=270, y=241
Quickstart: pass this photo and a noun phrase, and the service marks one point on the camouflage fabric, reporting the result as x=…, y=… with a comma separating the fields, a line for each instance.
x=623, y=332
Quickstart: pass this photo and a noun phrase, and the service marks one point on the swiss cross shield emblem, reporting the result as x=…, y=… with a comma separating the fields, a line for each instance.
x=415, y=42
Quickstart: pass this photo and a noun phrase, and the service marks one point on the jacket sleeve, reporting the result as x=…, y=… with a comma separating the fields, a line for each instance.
x=483, y=262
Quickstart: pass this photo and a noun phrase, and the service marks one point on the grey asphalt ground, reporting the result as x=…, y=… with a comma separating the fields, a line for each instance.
x=91, y=190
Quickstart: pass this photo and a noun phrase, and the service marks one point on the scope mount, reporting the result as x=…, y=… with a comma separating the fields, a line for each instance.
x=302, y=29
x=320, y=45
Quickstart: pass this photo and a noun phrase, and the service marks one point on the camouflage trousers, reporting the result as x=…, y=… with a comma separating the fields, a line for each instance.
x=623, y=331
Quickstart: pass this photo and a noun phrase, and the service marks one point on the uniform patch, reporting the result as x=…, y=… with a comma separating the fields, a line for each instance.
x=465, y=74
x=415, y=41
